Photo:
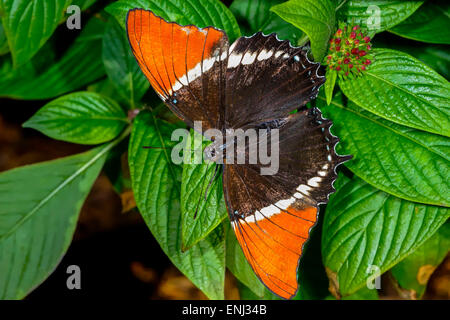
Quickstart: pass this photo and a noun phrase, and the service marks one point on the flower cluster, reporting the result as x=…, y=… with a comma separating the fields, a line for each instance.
x=349, y=51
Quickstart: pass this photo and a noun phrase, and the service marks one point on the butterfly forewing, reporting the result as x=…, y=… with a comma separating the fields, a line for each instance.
x=184, y=64
x=266, y=79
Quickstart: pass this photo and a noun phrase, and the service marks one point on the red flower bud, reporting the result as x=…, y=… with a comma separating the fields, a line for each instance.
x=338, y=48
x=367, y=62
x=356, y=27
x=357, y=57
x=338, y=68
x=329, y=57
x=346, y=73
x=367, y=39
x=356, y=41
x=362, y=53
x=353, y=35
x=346, y=60
x=350, y=66
x=369, y=47
x=363, y=67
x=355, y=51
x=347, y=42
x=337, y=40
x=339, y=61
x=347, y=54
x=339, y=32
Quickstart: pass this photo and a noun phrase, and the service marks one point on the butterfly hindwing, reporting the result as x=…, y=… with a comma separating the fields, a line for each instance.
x=272, y=215
x=184, y=64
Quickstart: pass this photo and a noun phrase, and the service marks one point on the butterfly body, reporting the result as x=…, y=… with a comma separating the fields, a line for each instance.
x=243, y=94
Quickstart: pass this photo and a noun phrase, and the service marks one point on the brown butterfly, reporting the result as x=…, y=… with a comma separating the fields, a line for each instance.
x=256, y=82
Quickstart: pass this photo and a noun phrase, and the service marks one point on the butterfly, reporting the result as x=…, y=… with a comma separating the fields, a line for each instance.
x=255, y=82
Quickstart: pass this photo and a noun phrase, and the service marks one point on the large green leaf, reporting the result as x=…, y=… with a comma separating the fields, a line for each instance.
x=315, y=18
x=367, y=227
x=415, y=270
x=201, y=13
x=202, y=202
x=79, y=66
x=428, y=24
x=121, y=66
x=408, y=163
x=29, y=24
x=377, y=15
x=402, y=89
x=239, y=266
x=255, y=15
x=81, y=117
x=39, y=206
x=156, y=184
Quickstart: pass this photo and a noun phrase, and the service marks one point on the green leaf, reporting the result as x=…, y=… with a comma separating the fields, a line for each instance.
x=255, y=15
x=4, y=47
x=367, y=227
x=245, y=293
x=201, y=13
x=415, y=270
x=83, y=4
x=121, y=66
x=428, y=24
x=377, y=15
x=239, y=266
x=39, y=207
x=200, y=214
x=435, y=56
x=403, y=90
x=79, y=66
x=29, y=24
x=315, y=18
x=408, y=163
x=81, y=117
x=331, y=76
x=156, y=185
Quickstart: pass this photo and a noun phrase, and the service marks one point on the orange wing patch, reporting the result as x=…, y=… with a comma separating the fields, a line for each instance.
x=170, y=55
x=273, y=245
